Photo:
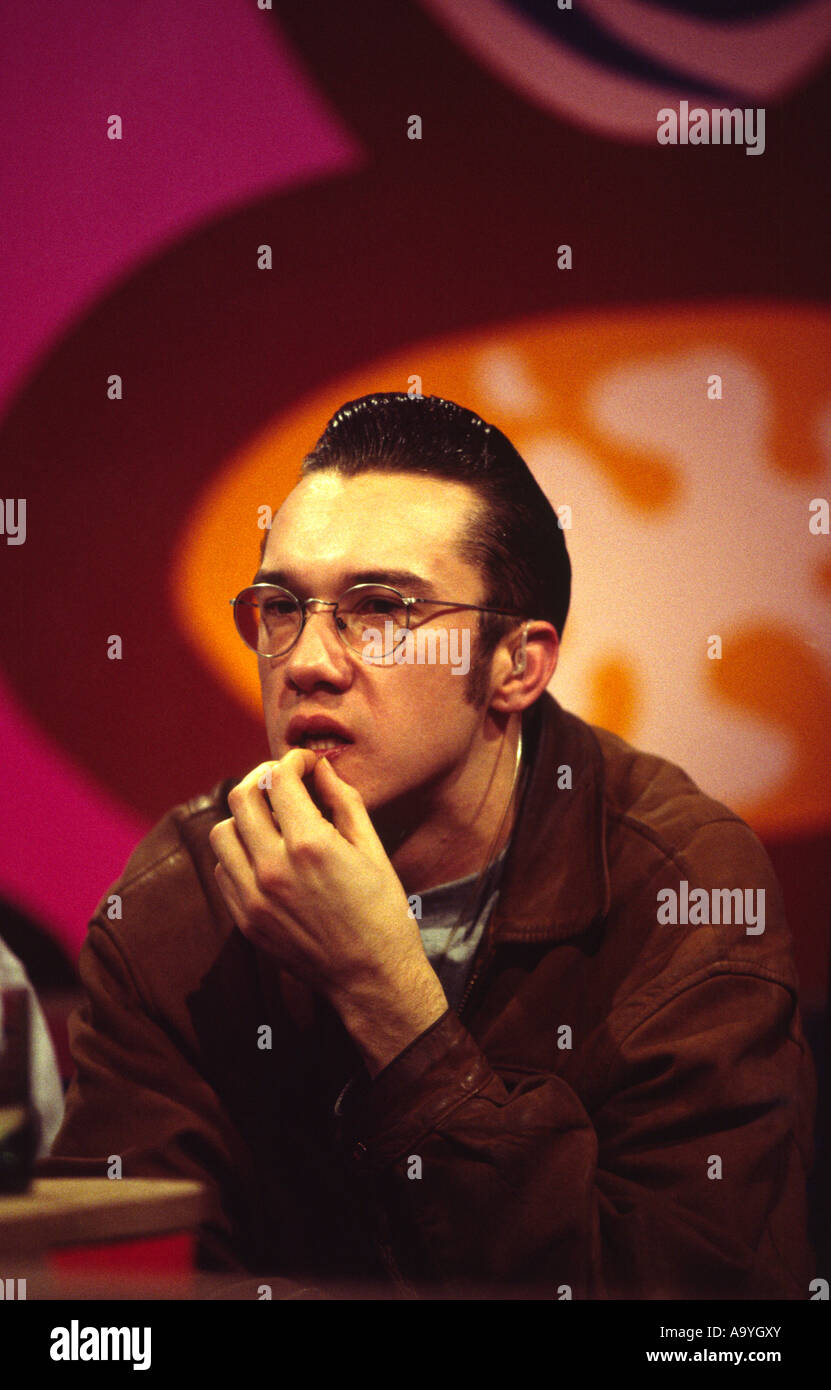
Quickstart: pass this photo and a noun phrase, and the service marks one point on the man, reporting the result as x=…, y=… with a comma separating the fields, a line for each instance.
x=410, y=997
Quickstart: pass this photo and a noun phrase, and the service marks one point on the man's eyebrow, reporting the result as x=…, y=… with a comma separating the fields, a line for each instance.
x=407, y=581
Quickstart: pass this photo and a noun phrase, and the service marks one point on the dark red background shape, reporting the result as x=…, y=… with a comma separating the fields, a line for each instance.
x=453, y=232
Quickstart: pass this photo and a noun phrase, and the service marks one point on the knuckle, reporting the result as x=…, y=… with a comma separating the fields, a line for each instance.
x=268, y=880
x=217, y=834
x=252, y=906
x=306, y=850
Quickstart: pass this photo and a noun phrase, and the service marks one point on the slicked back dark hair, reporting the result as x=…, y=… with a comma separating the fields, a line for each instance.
x=515, y=540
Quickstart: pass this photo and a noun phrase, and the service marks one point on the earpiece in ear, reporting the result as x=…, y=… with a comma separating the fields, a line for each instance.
x=519, y=660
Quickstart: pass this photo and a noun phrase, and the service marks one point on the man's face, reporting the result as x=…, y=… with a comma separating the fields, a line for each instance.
x=411, y=731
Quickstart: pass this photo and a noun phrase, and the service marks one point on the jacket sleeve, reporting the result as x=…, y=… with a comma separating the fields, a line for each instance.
x=684, y=1181
x=136, y=1095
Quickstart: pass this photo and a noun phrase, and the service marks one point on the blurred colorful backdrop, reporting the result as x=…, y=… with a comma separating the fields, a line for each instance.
x=648, y=323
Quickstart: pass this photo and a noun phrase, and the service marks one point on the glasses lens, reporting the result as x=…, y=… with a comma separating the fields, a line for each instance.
x=372, y=619
x=268, y=619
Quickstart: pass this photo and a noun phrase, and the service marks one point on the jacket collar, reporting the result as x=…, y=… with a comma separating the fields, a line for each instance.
x=556, y=876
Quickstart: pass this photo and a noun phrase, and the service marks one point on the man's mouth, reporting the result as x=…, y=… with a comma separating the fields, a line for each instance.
x=317, y=733
x=323, y=745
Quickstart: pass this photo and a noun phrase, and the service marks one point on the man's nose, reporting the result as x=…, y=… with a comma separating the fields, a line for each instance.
x=318, y=653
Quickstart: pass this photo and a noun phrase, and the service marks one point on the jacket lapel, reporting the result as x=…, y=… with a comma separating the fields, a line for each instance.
x=556, y=876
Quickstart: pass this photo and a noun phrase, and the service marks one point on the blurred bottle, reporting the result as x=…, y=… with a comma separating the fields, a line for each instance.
x=19, y=1119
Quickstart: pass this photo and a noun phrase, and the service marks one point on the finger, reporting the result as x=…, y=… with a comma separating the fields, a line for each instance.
x=234, y=859
x=250, y=929
x=252, y=814
x=252, y=806
x=300, y=764
x=229, y=893
x=349, y=814
x=299, y=819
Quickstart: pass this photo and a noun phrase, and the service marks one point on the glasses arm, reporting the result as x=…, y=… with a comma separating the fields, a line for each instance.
x=477, y=607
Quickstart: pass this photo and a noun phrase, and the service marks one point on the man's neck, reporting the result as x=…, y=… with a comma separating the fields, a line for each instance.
x=464, y=836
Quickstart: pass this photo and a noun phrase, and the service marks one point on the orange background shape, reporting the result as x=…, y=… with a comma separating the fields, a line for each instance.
x=769, y=672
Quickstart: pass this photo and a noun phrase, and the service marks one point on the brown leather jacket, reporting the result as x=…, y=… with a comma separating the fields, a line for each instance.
x=624, y=1109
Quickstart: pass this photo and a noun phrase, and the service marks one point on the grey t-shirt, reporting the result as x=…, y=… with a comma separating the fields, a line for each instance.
x=442, y=931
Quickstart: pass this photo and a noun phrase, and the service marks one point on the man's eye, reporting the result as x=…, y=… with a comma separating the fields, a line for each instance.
x=276, y=608
x=383, y=606
x=377, y=605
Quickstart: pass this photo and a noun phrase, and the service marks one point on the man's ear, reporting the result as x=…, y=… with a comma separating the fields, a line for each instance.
x=523, y=664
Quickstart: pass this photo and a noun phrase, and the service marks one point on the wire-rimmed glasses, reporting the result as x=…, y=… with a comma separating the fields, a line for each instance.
x=270, y=619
